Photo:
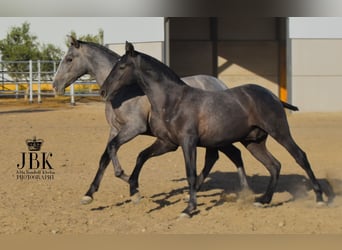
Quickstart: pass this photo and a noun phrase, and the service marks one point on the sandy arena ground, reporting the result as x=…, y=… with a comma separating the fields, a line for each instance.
x=76, y=137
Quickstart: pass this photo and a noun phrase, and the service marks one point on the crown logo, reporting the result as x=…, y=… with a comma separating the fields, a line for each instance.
x=34, y=144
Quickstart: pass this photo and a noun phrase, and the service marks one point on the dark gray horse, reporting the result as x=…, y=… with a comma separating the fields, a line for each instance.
x=189, y=117
x=128, y=114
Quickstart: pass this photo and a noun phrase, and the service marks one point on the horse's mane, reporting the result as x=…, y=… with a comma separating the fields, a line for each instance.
x=99, y=46
x=161, y=68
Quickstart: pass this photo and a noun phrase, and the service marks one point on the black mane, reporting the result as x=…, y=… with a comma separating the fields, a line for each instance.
x=161, y=67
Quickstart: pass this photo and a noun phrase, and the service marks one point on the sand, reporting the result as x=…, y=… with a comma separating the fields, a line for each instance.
x=74, y=139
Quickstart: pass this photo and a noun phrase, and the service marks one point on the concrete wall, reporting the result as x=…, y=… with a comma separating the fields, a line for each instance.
x=191, y=57
x=190, y=46
x=316, y=77
x=248, y=52
x=238, y=50
x=241, y=62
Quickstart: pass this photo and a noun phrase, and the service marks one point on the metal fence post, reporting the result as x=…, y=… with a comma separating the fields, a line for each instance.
x=31, y=76
x=72, y=94
x=16, y=90
x=39, y=87
x=2, y=75
x=31, y=84
x=54, y=72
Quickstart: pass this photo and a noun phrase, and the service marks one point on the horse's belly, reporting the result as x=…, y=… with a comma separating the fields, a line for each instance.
x=220, y=140
x=220, y=133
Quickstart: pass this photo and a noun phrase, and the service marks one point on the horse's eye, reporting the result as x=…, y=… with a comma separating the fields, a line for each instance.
x=69, y=59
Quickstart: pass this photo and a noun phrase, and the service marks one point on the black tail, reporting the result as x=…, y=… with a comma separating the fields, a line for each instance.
x=289, y=106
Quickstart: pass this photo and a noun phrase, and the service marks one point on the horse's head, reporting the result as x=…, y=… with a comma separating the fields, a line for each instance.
x=72, y=66
x=122, y=74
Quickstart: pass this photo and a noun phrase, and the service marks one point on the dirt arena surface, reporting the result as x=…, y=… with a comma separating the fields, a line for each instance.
x=76, y=137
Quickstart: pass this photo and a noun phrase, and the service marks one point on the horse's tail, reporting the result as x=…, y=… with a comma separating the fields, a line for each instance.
x=289, y=106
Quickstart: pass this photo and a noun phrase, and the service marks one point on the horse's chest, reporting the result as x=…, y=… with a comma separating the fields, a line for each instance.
x=164, y=126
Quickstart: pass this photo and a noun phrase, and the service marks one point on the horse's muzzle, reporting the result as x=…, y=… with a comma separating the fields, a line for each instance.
x=58, y=91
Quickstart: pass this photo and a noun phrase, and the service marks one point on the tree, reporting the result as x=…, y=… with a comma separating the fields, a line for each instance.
x=49, y=52
x=21, y=45
x=87, y=38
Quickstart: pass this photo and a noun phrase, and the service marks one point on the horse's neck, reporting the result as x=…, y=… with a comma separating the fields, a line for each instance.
x=100, y=65
x=161, y=92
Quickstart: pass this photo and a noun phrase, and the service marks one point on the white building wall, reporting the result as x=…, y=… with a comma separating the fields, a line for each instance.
x=315, y=74
x=315, y=27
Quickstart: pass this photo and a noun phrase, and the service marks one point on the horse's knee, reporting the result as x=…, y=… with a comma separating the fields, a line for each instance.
x=276, y=166
x=273, y=167
x=118, y=173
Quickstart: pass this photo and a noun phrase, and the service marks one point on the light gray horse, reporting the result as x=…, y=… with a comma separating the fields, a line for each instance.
x=129, y=112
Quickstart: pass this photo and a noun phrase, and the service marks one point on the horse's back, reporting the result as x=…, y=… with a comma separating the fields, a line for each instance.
x=256, y=95
x=205, y=82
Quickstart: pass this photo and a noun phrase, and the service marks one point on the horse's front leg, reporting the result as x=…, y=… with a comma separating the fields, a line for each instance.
x=189, y=152
x=110, y=153
x=157, y=148
x=112, y=150
x=126, y=134
x=103, y=164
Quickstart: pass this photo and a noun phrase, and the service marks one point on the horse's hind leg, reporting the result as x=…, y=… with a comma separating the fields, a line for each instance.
x=260, y=152
x=234, y=154
x=211, y=156
x=299, y=155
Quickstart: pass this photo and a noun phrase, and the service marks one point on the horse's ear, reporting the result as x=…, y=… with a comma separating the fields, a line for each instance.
x=73, y=42
x=130, y=49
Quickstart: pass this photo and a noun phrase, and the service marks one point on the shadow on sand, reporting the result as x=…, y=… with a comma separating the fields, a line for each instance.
x=227, y=187
x=23, y=111
x=298, y=186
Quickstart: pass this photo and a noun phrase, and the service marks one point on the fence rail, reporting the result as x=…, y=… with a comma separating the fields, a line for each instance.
x=33, y=79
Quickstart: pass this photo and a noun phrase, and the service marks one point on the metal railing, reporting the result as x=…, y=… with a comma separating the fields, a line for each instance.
x=30, y=79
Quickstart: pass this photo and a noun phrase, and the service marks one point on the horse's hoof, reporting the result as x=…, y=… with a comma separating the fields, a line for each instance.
x=86, y=200
x=125, y=177
x=184, y=216
x=259, y=204
x=186, y=198
x=321, y=204
x=330, y=200
x=136, y=198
